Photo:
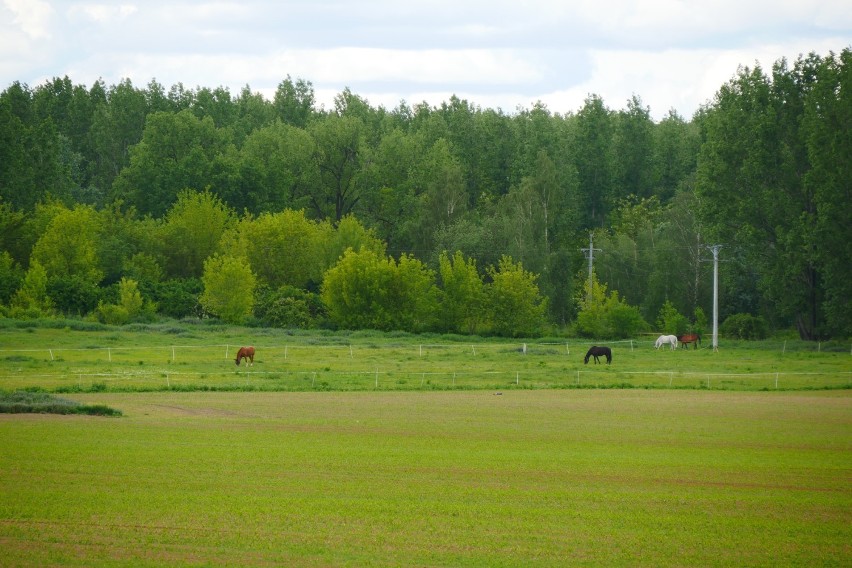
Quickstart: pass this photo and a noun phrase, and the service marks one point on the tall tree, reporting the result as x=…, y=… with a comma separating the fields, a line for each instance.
x=633, y=151
x=462, y=294
x=229, y=288
x=594, y=161
x=338, y=153
x=294, y=102
x=277, y=168
x=827, y=128
x=750, y=186
x=116, y=126
x=191, y=232
x=177, y=151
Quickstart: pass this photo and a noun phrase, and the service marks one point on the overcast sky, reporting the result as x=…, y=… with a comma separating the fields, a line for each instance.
x=673, y=54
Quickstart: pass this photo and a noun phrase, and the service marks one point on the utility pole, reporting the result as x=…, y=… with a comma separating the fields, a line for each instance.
x=590, y=254
x=715, y=249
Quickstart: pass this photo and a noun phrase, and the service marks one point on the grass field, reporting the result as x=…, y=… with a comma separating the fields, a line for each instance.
x=198, y=358
x=472, y=478
x=392, y=450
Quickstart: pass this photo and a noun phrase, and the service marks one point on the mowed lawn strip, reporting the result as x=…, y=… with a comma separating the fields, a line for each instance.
x=546, y=478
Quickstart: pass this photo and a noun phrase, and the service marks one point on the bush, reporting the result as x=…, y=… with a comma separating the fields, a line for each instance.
x=42, y=403
x=670, y=321
x=744, y=326
x=178, y=298
x=288, y=307
x=606, y=316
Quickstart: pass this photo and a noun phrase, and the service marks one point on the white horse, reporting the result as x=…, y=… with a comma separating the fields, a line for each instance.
x=663, y=339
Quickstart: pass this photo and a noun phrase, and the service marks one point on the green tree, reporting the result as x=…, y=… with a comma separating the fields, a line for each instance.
x=11, y=276
x=462, y=295
x=670, y=321
x=117, y=125
x=349, y=233
x=130, y=304
x=366, y=290
x=633, y=151
x=192, y=231
x=277, y=168
x=229, y=287
x=752, y=172
x=31, y=299
x=594, y=161
x=605, y=316
x=294, y=102
x=515, y=304
x=177, y=151
x=339, y=149
x=35, y=157
x=284, y=248
x=68, y=247
x=827, y=129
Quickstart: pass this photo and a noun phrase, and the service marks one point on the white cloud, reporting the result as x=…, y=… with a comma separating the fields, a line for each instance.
x=102, y=13
x=31, y=16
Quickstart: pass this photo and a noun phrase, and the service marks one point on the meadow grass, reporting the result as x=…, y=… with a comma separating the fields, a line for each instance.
x=472, y=478
x=185, y=357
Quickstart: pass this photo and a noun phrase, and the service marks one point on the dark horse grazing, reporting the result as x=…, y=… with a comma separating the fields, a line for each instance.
x=246, y=353
x=598, y=352
x=693, y=338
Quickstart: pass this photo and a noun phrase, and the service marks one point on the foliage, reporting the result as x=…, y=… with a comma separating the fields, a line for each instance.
x=10, y=277
x=606, y=316
x=106, y=182
x=31, y=300
x=670, y=321
x=515, y=305
x=783, y=139
x=744, y=326
x=462, y=294
x=73, y=295
x=288, y=307
x=192, y=231
x=367, y=290
x=179, y=297
x=229, y=287
x=283, y=249
x=129, y=307
x=68, y=246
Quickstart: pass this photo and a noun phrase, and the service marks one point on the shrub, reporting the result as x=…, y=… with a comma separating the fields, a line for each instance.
x=670, y=321
x=744, y=326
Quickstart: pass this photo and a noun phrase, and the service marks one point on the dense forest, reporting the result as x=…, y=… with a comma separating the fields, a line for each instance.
x=123, y=203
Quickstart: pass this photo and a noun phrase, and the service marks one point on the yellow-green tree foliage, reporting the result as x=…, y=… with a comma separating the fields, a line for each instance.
x=516, y=305
x=229, y=287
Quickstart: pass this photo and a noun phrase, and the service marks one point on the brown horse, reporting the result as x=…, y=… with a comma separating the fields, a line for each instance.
x=246, y=353
x=693, y=338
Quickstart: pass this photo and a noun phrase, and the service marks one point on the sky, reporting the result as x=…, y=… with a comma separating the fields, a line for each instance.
x=507, y=55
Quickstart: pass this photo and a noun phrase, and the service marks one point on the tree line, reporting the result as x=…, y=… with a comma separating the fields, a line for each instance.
x=111, y=192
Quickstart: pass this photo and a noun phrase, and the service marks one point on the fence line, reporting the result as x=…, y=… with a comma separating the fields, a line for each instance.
x=521, y=347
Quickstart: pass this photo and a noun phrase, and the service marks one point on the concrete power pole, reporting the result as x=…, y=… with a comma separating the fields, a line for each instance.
x=715, y=249
x=590, y=254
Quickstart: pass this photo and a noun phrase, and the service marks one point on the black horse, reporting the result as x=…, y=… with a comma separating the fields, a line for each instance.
x=596, y=352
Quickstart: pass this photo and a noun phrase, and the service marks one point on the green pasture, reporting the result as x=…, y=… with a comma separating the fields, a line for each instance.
x=186, y=357
x=594, y=477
